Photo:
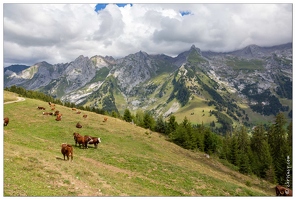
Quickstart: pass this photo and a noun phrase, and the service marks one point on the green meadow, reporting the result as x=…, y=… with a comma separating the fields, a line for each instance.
x=130, y=160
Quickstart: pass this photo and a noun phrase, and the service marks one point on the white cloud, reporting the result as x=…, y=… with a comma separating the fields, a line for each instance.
x=61, y=32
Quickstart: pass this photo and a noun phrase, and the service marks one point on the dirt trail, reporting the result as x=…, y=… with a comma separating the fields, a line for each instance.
x=18, y=100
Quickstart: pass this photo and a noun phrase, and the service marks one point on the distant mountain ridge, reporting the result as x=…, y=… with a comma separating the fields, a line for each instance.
x=259, y=78
x=16, y=68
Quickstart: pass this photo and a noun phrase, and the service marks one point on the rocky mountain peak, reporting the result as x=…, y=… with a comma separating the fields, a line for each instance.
x=193, y=48
x=141, y=55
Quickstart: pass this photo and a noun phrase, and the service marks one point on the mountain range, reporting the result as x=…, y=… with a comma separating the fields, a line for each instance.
x=248, y=86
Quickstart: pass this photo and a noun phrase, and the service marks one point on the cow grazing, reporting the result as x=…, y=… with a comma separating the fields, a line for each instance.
x=56, y=113
x=51, y=104
x=52, y=108
x=67, y=150
x=105, y=119
x=81, y=140
x=95, y=141
x=40, y=108
x=78, y=125
x=47, y=113
x=59, y=117
x=84, y=116
x=74, y=109
x=6, y=121
x=78, y=112
x=282, y=191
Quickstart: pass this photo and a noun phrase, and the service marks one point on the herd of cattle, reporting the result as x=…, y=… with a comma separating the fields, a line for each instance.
x=83, y=141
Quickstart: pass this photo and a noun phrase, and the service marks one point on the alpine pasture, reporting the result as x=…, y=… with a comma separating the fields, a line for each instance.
x=129, y=161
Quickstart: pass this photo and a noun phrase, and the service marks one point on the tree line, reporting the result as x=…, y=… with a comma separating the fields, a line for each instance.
x=265, y=151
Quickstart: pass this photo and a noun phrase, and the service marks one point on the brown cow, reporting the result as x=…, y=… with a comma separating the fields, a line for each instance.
x=6, y=121
x=282, y=191
x=59, y=117
x=95, y=141
x=40, y=108
x=56, y=113
x=105, y=119
x=81, y=140
x=67, y=150
x=74, y=109
x=85, y=116
x=78, y=112
x=47, y=113
x=76, y=135
x=78, y=125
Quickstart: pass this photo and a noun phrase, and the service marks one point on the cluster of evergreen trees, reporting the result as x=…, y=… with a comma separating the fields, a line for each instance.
x=265, y=152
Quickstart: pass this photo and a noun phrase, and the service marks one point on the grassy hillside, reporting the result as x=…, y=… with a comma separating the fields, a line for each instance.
x=130, y=161
x=9, y=96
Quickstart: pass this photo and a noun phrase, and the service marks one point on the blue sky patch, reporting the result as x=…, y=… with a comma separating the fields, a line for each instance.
x=186, y=12
x=102, y=6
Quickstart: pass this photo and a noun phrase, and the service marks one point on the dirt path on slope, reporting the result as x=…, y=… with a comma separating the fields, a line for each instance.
x=18, y=100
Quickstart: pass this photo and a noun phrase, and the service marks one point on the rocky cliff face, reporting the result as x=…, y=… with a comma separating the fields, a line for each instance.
x=148, y=81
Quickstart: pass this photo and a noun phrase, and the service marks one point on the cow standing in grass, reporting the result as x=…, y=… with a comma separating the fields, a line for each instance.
x=67, y=150
x=81, y=140
x=6, y=121
x=95, y=141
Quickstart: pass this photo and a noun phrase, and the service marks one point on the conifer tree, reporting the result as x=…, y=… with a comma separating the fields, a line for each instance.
x=243, y=150
x=234, y=151
x=148, y=121
x=127, y=116
x=262, y=160
x=160, y=125
x=172, y=124
x=210, y=142
x=277, y=139
x=139, y=118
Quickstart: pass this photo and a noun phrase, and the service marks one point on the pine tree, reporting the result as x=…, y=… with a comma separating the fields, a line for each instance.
x=160, y=125
x=172, y=125
x=210, y=142
x=139, y=118
x=261, y=152
x=127, y=116
x=234, y=151
x=243, y=150
x=148, y=121
x=277, y=139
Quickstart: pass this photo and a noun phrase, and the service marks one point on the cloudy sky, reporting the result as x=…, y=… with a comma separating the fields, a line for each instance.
x=59, y=33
